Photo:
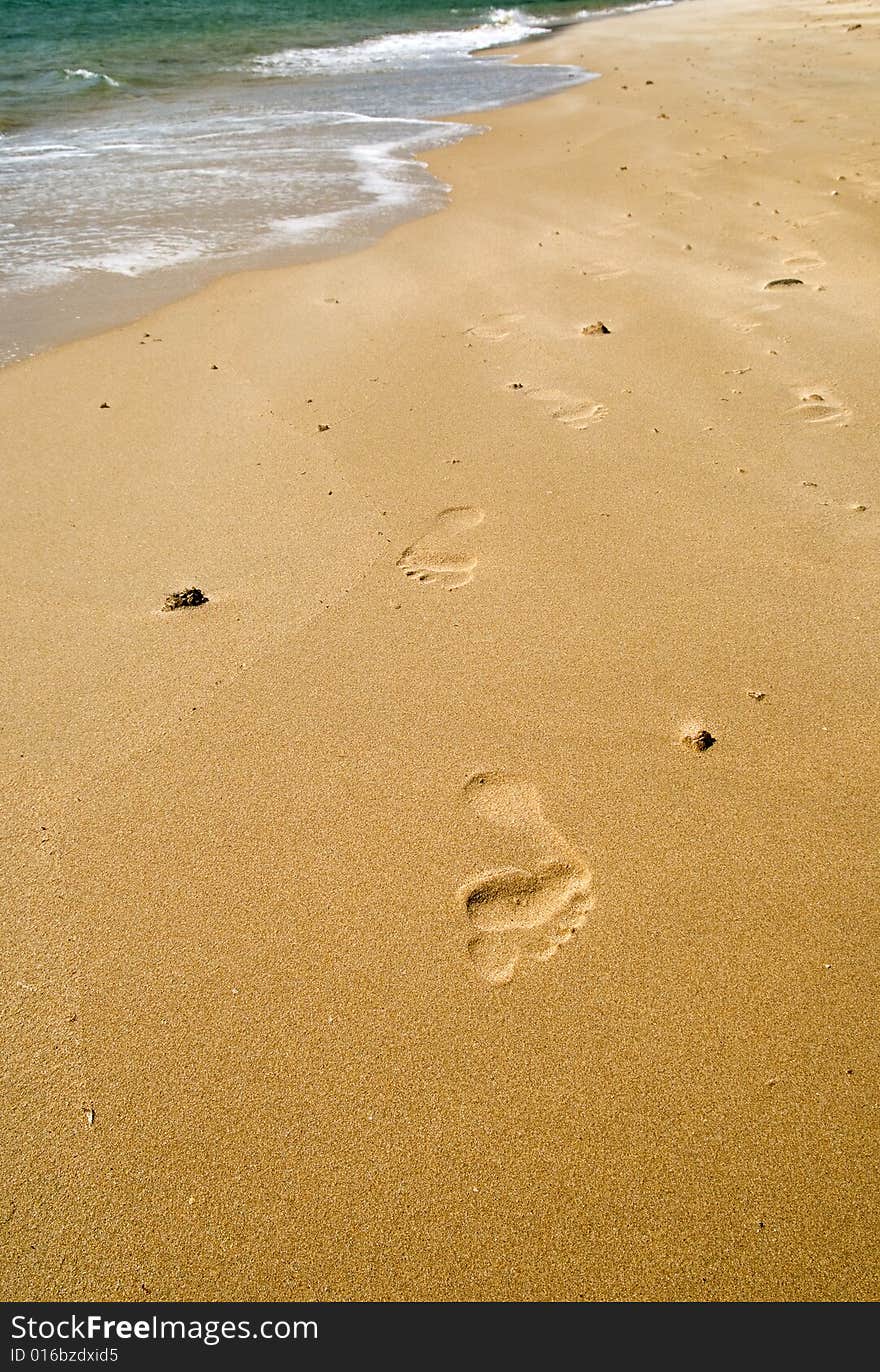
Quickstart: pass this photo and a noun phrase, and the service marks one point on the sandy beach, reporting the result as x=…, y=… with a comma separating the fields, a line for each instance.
x=374, y=931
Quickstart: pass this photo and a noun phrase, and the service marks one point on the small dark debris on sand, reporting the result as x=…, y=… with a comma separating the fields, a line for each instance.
x=516, y=385
x=699, y=741
x=322, y=428
x=782, y=281
x=177, y=600
x=104, y=405
x=596, y=328
x=214, y=367
x=756, y=695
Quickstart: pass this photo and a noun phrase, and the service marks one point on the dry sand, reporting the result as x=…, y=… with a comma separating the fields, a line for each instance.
x=372, y=934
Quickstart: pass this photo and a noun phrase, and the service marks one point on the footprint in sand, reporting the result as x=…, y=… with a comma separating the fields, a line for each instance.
x=495, y=328
x=574, y=413
x=750, y=320
x=522, y=915
x=804, y=262
x=821, y=407
x=431, y=563
x=604, y=270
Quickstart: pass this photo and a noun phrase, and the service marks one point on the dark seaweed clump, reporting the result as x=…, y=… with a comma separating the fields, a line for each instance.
x=178, y=599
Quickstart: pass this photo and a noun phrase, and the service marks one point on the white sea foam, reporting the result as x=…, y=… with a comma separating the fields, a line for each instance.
x=396, y=50
x=312, y=228
x=31, y=276
x=387, y=180
x=150, y=255
x=83, y=74
x=32, y=154
x=624, y=9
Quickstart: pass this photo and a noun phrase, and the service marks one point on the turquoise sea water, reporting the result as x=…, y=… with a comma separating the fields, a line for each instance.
x=146, y=145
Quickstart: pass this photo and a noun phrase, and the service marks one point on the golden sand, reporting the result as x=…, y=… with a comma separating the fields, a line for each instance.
x=374, y=933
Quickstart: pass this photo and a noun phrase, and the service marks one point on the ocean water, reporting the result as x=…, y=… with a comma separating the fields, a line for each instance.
x=148, y=145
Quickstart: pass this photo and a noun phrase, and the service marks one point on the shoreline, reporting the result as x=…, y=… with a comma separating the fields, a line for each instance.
x=375, y=936
x=156, y=290
x=104, y=302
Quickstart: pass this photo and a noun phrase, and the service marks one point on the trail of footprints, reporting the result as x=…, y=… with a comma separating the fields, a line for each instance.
x=521, y=916
x=748, y=321
x=518, y=915
x=573, y=411
x=816, y=405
